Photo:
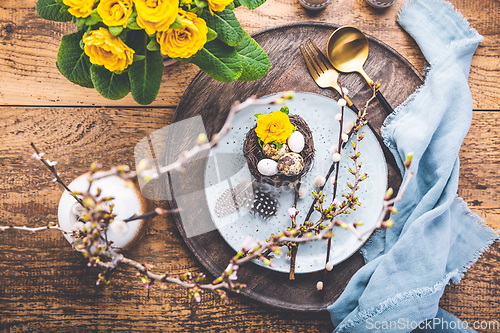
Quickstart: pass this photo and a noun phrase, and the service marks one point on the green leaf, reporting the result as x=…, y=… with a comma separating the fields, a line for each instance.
x=138, y=57
x=53, y=11
x=110, y=85
x=115, y=31
x=177, y=23
x=91, y=20
x=252, y=4
x=153, y=45
x=96, y=15
x=260, y=142
x=253, y=58
x=278, y=145
x=145, y=75
x=226, y=25
x=132, y=23
x=231, y=6
x=80, y=22
x=72, y=61
x=236, y=3
x=285, y=109
x=257, y=115
x=200, y=4
x=211, y=35
x=219, y=61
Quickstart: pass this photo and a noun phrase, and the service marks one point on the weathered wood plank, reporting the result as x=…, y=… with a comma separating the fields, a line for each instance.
x=48, y=287
x=28, y=50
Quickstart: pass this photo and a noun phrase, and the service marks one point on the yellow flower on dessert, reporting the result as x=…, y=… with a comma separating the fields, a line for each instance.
x=218, y=5
x=115, y=12
x=79, y=8
x=156, y=15
x=274, y=127
x=105, y=49
x=185, y=41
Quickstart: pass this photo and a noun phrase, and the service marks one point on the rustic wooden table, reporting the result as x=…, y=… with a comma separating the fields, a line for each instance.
x=45, y=286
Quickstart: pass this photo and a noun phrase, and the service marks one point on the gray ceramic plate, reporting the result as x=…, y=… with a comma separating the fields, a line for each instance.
x=319, y=112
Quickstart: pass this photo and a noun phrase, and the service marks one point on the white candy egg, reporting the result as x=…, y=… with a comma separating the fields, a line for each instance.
x=267, y=167
x=296, y=142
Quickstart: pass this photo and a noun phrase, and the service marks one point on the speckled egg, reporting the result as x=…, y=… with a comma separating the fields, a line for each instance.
x=267, y=167
x=270, y=150
x=291, y=164
x=296, y=142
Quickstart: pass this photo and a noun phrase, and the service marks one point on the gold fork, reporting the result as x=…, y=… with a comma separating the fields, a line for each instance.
x=326, y=76
x=322, y=70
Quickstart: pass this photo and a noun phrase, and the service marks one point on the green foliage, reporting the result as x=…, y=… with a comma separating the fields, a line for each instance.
x=229, y=54
x=110, y=85
x=132, y=22
x=226, y=25
x=72, y=61
x=251, y=4
x=53, y=11
x=115, y=31
x=153, y=45
x=285, y=109
x=145, y=75
x=177, y=23
x=253, y=58
x=220, y=61
x=211, y=35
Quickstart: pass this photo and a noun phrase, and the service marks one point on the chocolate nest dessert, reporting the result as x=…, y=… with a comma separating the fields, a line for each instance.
x=291, y=165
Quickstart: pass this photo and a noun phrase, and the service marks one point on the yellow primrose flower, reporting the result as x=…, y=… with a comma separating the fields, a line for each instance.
x=105, y=49
x=185, y=41
x=274, y=127
x=218, y=5
x=115, y=12
x=79, y=8
x=156, y=15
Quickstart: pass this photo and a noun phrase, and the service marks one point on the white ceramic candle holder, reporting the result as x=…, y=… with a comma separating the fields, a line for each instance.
x=127, y=202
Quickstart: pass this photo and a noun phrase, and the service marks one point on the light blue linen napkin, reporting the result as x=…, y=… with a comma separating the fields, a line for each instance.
x=435, y=237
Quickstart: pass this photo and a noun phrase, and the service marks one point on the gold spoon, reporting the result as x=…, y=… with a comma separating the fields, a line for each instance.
x=347, y=50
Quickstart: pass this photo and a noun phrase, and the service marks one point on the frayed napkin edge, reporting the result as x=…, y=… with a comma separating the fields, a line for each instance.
x=454, y=276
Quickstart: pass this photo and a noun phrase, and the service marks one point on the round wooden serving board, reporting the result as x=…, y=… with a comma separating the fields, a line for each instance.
x=212, y=101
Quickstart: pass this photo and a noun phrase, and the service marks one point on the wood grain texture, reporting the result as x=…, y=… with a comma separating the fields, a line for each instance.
x=46, y=287
x=29, y=44
x=287, y=72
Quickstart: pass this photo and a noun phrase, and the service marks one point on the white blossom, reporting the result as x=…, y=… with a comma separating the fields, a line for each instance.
x=329, y=266
x=336, y=157
x=248, y=244
x=78, y=226
x=119, y=227
x=342, y=102
x=51, y=163
x=348, y=126
x=345, y=90
x=78, y=209
x=334, y=149
x=292, y=211
x=338, y=117
x=319, y=181
x=336, y=203
x=302, y=193
x=319, y=285
x=345, y=137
